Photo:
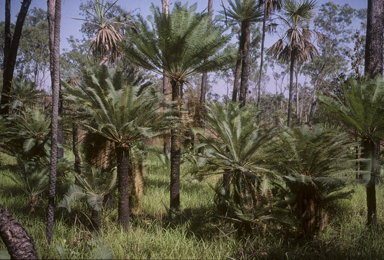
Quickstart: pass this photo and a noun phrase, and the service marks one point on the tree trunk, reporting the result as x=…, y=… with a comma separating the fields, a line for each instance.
x=54, y=18
x=291, y=70
x=262, y=56
x=19, y=244
x=75, y=149
x=246, y=41
x=122, y=154
x=374, y=39
x=297, y=92
x=96, y=220
x=371, y=151
x=237, y=77
x=175, y=153
x=167, y=138
x=11, y=53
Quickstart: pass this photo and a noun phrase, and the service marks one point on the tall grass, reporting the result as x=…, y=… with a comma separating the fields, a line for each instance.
x=197, y=233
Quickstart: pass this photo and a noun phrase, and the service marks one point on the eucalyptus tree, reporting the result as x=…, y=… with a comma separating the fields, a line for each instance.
x=177, y=46
x=361, y=112
x=10, y=48
x=244, y=12
x=269, y=7
x=295, y=44
x=122, y=114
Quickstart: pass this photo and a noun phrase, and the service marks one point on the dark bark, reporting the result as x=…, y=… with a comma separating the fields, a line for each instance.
x=291, y=70
x=245, y=41
x=75, y=149
x=122, y=154
x=374, y=39
x=236, y=80
x=297, y=92
x=11, y=54
x=19, y=244
x=7, y=32
x=54, y=18
x=371, y=151
x=175, y=153
x=95, y=220
x=60, y=131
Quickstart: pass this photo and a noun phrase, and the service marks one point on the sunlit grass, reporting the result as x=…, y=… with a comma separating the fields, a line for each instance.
x=196, y=234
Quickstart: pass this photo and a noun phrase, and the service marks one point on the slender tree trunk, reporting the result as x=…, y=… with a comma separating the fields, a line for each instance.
x=167, y=138
x=292, y=68
x=75, y=148
x=262, y=56
x=313, y=98
x=10, y=49
x=297, y=92
x=245, y=34
x=175, y=153
x=236, y=80
x=122, y=154
x=19, y=244
x=54, y=18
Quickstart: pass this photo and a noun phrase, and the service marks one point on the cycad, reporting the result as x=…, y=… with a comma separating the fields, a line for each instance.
x=236, y=145
x=244, y=12
x=122, y=114
x=361, y=113
x=93, y=184
x=176, y=46
x=315, y=162
x=27, y=134
x=23, y=92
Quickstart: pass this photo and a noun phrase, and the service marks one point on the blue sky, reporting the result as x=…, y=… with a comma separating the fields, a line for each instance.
x=70, y=9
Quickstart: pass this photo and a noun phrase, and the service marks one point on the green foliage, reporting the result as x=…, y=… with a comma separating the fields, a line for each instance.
x=315, y=162
x=244, y=10
x=362, y=107
x=27, y=134
x=120, y=112
x=178, y=44
x=94, y=184
x=23, y=92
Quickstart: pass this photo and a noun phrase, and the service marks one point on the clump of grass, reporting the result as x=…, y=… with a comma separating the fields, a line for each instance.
x=198, y=233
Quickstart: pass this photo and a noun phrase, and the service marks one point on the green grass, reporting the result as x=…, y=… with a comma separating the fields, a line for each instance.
x=196, y=233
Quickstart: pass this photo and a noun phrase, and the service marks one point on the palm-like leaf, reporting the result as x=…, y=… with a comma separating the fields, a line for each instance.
x=27, y=133
x=121, y=113
x=244, y=10
x=22, y=93
x=179, y=44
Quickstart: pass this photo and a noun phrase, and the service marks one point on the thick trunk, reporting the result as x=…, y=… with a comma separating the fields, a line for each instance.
x=292, y=67
x=374, y=39
x=54, y=18
x=262, y=56
x=245, y=35
x=175, y=153
x=122, y=154
x=371, y=151
x=10, y=56
x=19, y=244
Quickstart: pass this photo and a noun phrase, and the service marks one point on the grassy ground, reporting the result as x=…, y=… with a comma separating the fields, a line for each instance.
x=197, y=234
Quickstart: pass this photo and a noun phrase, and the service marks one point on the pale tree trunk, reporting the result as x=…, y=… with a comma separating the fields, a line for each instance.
x=291, y=71
x=19, y=244
x=313, y=98
x=10, y=49
x=204, y=84
x=262, y=55
x=373, y=67
x=54, y=19
x=167, y=138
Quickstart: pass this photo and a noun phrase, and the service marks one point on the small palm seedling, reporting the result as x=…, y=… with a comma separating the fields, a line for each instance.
x=237, y=146
x=94, y=185
x=315, y=162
